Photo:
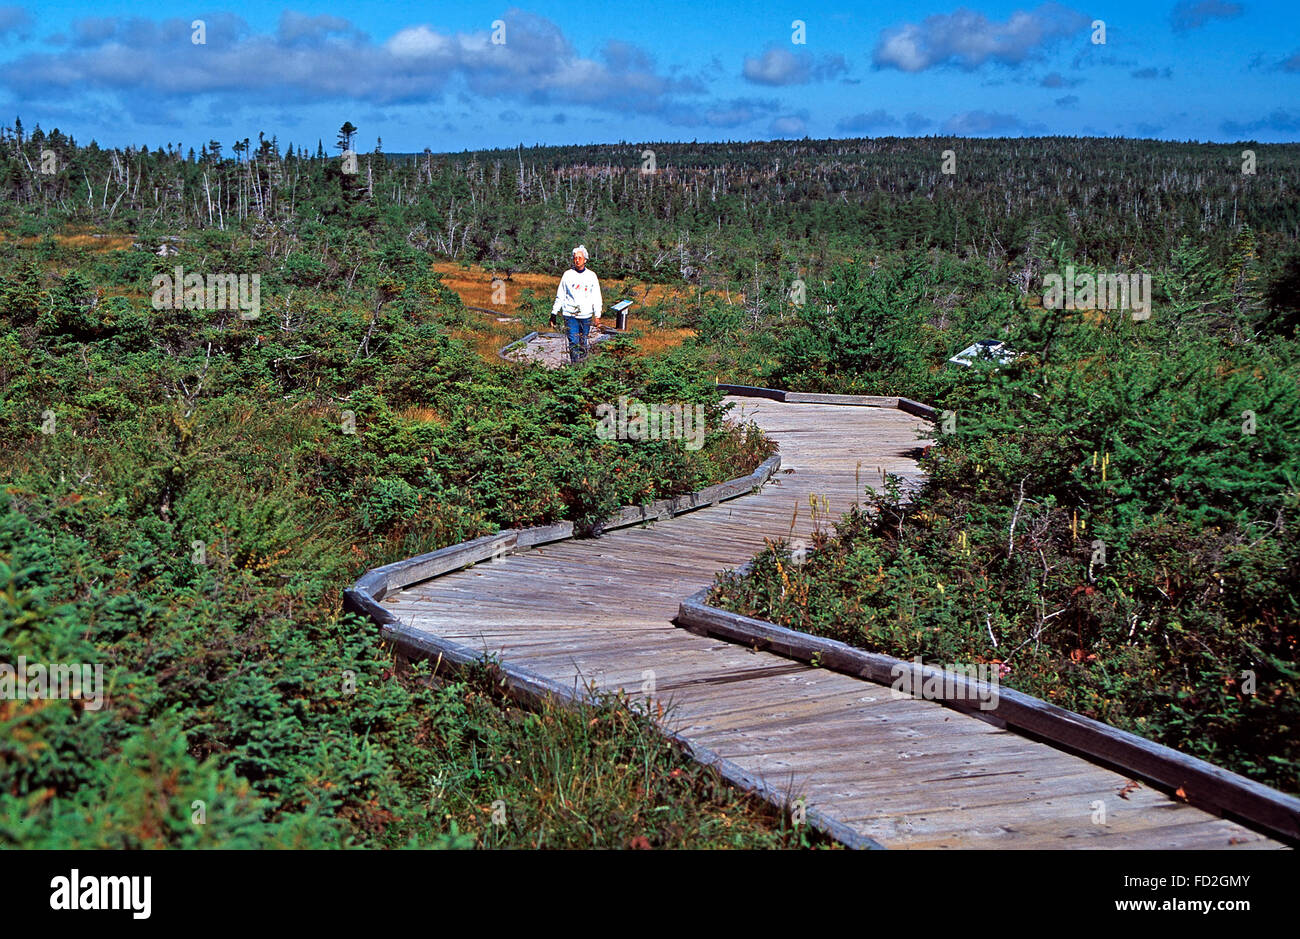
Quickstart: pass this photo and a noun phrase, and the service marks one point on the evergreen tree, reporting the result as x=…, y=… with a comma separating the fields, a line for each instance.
x=346, y=133
x=1192, y=285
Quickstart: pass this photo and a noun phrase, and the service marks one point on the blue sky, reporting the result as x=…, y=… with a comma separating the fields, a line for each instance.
x=431, y=75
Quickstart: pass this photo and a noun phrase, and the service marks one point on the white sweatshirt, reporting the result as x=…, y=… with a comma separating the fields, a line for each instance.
x=578, y=295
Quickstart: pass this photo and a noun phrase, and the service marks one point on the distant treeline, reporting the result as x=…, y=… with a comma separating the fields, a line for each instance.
x=699, y=213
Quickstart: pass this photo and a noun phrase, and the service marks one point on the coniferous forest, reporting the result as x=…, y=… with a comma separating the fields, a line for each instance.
x=187, y=491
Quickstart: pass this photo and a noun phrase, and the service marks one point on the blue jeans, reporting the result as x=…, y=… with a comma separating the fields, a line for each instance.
x=579, y=330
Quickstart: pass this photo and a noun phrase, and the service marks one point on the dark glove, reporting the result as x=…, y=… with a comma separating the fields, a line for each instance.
x=552, y=319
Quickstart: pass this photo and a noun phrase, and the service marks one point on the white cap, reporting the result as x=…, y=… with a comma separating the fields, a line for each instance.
x=582, y=250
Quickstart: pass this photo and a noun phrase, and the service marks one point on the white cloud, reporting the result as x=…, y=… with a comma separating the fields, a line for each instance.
x=780, y=66
x=789, y=125
x=148, y=66
x=968, y=39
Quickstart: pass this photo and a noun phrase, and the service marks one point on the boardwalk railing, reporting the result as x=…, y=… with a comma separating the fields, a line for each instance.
x=1201, y=784
x=1198, y=782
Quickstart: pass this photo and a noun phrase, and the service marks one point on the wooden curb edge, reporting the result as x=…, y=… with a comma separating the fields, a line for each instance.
x=1203, y=784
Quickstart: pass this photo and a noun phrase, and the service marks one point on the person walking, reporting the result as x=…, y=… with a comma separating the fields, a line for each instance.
x=578, y=298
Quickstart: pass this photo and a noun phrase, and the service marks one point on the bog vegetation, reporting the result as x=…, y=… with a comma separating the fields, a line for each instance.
x=186, y=492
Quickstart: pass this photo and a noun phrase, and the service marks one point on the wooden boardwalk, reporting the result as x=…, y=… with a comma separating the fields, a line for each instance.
x=904, y=772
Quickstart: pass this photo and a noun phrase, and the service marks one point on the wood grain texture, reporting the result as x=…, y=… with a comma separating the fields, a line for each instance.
x=591, y=615
x=1200, y=782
